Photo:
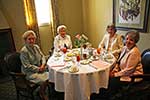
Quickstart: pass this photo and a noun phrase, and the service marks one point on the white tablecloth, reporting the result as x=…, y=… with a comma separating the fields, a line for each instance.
x=79, y=85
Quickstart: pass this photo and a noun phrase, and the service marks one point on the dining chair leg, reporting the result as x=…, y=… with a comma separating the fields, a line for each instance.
x=17, y=94
x=32, y=96
x=51, y=90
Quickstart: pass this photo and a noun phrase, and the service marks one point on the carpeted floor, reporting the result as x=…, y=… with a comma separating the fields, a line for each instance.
x=7, y=88
x=8, y=92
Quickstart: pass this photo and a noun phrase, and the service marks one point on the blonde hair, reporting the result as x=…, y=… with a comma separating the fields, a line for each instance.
x=27, y=33
x=61, y=26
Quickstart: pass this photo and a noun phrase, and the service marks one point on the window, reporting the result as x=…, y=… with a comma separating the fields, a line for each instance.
x=43, y=12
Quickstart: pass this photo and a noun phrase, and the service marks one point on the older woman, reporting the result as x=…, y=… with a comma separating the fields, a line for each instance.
x=62, y=40
x=128, y=64
x=33, y=62
x=111, y=41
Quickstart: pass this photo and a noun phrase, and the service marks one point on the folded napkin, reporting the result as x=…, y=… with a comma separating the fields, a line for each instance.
x=56, y=63
x=99, y=64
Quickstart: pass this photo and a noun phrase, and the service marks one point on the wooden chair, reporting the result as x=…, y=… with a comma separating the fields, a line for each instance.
x=23, y=87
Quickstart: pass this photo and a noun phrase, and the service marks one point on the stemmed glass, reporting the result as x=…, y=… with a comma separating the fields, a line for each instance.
x=103, y=54
x=64, y=50
x=78, y=59
x=98, y=51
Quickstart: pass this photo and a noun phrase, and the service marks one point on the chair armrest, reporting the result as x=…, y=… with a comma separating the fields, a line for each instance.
x=17, y=74
x=143, y=76
x=21, y=81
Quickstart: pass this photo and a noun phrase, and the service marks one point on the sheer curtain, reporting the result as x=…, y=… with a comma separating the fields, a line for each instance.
x=54, y=17
x=31, y=19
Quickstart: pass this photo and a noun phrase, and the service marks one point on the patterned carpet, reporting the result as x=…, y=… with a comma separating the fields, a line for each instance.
x=8, y=92
x=7, y=89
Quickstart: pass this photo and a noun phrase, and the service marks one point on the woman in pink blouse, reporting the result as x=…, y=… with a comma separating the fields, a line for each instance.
x=128, y=64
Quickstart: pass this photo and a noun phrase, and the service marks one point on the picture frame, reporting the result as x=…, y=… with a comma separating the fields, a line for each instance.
x=131, y=14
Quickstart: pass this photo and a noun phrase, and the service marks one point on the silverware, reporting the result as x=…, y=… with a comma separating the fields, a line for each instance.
x=93, y=66
x=67, y=67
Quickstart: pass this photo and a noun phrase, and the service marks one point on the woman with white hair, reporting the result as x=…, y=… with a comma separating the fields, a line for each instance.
x=62, y=40
x=34, y=62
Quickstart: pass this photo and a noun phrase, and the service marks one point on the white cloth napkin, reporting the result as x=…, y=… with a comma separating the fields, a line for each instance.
x=56, y=62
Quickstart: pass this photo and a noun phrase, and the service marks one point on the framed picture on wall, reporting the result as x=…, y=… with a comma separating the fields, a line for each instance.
x=131, y=14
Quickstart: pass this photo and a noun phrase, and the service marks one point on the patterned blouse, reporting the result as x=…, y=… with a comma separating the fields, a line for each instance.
x=114, y=44
x=59, y=42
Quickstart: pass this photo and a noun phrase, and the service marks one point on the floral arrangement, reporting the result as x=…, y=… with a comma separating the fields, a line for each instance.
x=80, y=39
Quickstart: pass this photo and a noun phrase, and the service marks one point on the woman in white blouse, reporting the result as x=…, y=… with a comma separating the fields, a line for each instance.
x=111, y=41
x=62, y=40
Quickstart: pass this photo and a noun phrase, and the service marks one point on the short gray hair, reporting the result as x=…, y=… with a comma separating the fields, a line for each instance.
x=134, y=35
x=61, y=26
x=27, y=33
x=112, y=25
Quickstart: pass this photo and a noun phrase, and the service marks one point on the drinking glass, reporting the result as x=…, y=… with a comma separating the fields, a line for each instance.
x=84, y=55
x=78, y=58
x=98, y=50
x=64, y=50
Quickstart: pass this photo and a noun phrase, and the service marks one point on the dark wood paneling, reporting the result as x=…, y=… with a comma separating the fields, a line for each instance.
x=6, y=42
x=6, y=45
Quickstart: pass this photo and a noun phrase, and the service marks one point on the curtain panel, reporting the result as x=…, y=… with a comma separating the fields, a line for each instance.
x=31, y=18
x=55, y=19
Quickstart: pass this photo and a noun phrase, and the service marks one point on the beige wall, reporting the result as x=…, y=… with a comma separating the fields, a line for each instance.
x=97, y=14
x=3, y=22
x=145, y=37
x=14, y=14
x=46, y=39
x=88, y=16
x=70, y=14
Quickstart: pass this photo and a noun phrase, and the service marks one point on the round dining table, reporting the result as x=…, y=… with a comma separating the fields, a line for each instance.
x=79, y=85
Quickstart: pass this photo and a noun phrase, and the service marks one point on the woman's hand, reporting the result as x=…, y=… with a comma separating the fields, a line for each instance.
x=112, y=74
x=41, y=68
